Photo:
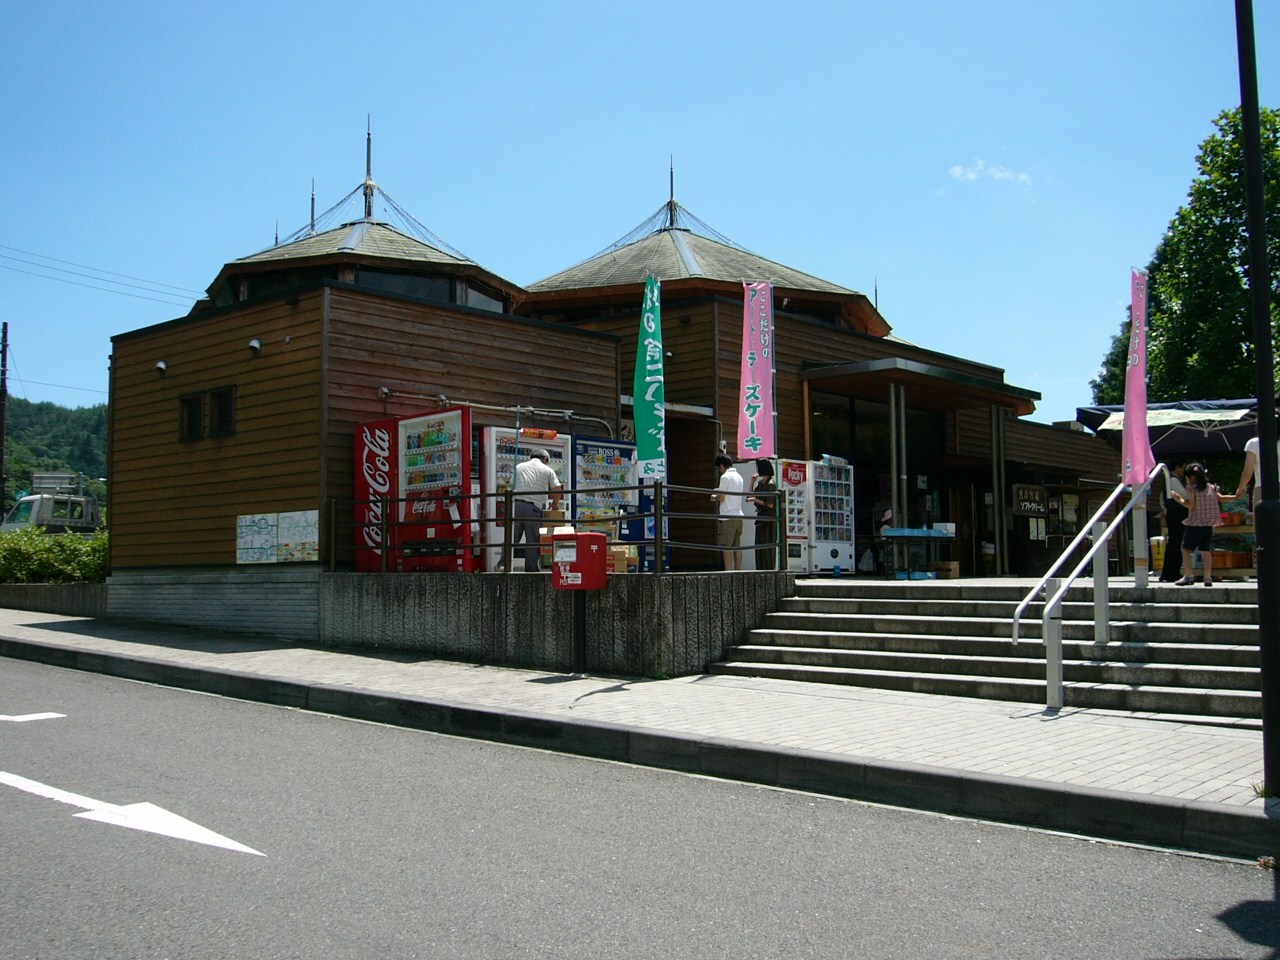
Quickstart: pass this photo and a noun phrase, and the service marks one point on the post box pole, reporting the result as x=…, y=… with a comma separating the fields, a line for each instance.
x=579, y=631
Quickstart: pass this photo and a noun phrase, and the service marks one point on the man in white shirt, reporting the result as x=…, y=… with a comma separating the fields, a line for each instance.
x=535, y=482
x=729, y=526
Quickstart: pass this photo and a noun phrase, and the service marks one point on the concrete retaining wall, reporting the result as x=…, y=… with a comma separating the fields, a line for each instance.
x=68, y=599
x=638, y=625
x=278, y=602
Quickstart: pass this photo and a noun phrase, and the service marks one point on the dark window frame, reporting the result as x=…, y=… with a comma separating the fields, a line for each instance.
x=218, y=427
x=187, y=403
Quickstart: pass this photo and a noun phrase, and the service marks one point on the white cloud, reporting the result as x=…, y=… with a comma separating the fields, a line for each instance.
x=991, y=171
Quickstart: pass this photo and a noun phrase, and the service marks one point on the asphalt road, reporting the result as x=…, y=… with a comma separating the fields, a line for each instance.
x=387, y=843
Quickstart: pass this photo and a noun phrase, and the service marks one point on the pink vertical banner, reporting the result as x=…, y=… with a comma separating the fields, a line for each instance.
x=1139, y=461
x=755, y=408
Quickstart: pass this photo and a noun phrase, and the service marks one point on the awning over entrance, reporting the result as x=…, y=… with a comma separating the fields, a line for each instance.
x=931, y=388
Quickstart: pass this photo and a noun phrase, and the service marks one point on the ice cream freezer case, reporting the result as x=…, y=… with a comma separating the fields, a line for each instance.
x=421, y=465
x=501, y=448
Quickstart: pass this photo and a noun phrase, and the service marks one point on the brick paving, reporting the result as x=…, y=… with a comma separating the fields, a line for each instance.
x=1136, y=753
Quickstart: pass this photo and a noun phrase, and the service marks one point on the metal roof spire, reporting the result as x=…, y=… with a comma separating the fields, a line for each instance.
x=313, y=208
x=671, y=204
x=368, y=171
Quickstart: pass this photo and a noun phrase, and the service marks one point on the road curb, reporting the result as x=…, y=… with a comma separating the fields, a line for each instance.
x=1104, y=814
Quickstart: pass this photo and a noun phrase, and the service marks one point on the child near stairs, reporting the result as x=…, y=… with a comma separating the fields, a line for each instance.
x=1201, y=501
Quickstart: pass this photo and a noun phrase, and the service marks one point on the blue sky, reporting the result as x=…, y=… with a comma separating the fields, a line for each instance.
x=994, y=168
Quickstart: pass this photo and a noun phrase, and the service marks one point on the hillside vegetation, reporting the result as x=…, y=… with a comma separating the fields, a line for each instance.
x=46, y=436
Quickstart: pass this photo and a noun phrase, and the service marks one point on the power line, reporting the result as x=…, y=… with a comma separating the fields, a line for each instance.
x=76, y=273
x=136, y=296
x=126, y=276
x=64, y=386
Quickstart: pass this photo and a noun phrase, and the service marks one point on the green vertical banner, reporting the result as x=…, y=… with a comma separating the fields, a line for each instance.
x=648, y=398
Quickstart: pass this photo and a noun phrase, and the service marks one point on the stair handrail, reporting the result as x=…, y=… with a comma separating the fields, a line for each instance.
x=1085, y=530
x=1056, y=589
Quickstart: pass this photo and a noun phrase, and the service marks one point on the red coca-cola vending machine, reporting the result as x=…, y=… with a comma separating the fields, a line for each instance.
x=424, y=460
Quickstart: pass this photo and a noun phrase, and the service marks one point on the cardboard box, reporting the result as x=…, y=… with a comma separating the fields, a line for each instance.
x=618, y=559
x=946, y=569
x=552, y=514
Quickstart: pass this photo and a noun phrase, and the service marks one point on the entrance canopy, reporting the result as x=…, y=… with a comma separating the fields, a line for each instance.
x=931, y=387
x=1195, y=427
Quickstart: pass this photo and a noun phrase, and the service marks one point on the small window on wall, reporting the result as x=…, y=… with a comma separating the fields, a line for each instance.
x=474, y=297
x=191, y=417
x=222, y=412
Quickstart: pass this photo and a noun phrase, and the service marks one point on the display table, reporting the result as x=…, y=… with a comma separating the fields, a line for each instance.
x=909, y=537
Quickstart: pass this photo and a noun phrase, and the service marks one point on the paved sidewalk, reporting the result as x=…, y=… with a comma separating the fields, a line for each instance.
x=1079, y=756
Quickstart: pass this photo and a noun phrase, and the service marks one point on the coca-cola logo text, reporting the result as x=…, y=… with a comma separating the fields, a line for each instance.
x=375, y=466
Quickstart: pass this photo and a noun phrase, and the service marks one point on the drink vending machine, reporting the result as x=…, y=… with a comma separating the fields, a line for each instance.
x=599, y=464
x=424, y=460
x=501, y=449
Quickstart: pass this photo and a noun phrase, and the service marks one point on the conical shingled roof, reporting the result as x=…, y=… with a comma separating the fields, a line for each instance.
x=675, y=252
x=364, y=238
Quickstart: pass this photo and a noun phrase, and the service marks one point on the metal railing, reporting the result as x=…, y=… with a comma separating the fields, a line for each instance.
x=1055, y=588
x=656, y=541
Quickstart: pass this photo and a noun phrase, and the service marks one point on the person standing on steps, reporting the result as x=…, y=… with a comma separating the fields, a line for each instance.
x=1202, y=499
x=1174, y=515
x=1253, y=466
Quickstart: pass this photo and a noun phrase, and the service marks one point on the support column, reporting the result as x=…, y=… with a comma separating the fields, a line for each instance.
x=998, y=512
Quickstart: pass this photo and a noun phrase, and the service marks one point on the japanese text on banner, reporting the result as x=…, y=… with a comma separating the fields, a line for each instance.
x=647, y=392
x=1139, y=461
x=755, y=409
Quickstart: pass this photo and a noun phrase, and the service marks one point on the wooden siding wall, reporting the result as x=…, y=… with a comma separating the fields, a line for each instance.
x=1067, y=452
x=175, y=503
x=691, y=345
x=471, y=358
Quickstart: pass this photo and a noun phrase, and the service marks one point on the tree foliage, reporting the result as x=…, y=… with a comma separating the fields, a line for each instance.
x=1199, y=318
x=46, y=436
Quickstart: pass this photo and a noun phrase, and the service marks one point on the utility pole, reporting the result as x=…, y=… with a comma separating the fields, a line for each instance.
x=4, y=404
x=1267, y=511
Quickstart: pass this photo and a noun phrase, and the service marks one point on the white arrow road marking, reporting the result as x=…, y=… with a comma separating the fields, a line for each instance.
x=136, y=816
x=32, y=716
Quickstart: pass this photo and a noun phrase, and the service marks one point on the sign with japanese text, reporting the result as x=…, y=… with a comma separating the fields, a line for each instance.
x=1139, y=461
x=755, y=409
x=647, y=392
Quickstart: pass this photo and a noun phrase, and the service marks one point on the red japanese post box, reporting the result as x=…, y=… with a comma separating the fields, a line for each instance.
x=579, y=561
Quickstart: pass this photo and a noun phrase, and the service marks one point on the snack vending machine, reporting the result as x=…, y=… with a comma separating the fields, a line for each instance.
x=500, y=451
x=424, y=461
x=793, y=480
x=819, y=514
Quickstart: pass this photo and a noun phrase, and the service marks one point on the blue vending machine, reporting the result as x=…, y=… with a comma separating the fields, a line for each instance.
x=598, y=465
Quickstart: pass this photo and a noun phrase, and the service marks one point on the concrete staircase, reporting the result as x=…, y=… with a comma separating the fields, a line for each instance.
x=1173, y=650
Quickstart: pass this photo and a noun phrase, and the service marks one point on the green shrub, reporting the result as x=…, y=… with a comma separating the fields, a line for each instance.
x=34, y=556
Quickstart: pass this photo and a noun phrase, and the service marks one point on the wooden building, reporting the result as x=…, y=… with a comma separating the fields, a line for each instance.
x=845, y=385
x=248, y=405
